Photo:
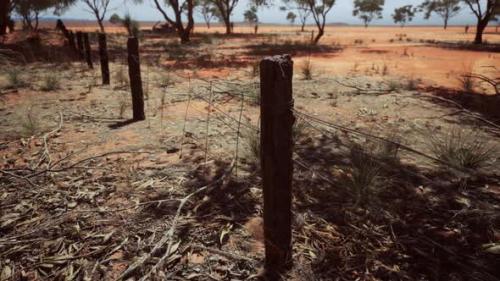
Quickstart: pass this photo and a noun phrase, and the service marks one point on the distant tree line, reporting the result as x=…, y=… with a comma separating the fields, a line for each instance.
x=179, y=14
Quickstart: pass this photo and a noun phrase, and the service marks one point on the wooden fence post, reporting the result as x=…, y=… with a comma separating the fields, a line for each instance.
x=88, y=50
x=79, y=43
x=276, y=160
x=71, y=39
x=103, y=53
x=134, y=73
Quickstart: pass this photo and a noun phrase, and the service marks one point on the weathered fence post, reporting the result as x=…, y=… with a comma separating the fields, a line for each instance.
x=88, y=50
x=79, y=43
x=71, y=39
x=103, y=53
x=134, y=73
x=276, y=160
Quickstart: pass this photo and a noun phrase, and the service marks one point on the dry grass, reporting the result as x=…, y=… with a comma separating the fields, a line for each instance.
x=307, y=69
x=463, y=148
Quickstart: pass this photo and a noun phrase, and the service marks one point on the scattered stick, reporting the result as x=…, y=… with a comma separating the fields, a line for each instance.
x=168, y=235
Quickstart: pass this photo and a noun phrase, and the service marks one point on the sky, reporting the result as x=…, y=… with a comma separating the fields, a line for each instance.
x=341, y=12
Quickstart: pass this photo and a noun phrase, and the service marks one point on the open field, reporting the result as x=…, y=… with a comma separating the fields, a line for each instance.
x=397, y=164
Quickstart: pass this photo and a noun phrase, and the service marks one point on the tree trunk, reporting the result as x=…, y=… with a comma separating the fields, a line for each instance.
x=4, y=16
x=481, y=26
x=227, y=23
x=101, y=25
x=445, y=23
x=320, y=34
x=184, y=35
x=302, y=27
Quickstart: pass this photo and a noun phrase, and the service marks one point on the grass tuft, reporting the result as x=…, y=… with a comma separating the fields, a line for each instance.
x=463, y=149
x=307, y=69
x=51, y=82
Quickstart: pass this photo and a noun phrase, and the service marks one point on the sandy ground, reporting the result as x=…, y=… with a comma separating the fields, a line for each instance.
x=89, y=214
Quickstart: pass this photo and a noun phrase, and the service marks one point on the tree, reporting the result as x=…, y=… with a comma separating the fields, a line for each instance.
x=404, y=14
x=30, y=10
x=319, y=10
x=130, y=24
x=446, y=9
x=251, y=17
x=224, y=10
x=291, y=16
x=179, y=8
x=208, y=11
x=483, y=15
x=301, y=7
x=99, y=8
x=367, y=10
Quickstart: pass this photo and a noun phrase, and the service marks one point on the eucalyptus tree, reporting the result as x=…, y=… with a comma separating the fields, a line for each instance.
x=98, y=8
x=291, y=16
x=183, y=19
x=207, y=11
x=319, y=10
x=251, y=17
x=225, y=10
x=367, y=10
x=404, y=14
x=301, y=7
x=446, y=9
x=484, y=11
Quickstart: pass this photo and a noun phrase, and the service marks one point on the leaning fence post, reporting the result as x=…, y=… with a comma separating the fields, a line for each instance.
x=79, y=43
x=276, y=160
x=88, y=50
x=103, y=53
x=134, y=72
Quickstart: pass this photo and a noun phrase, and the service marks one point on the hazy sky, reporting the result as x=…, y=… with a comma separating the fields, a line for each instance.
x=341, y=12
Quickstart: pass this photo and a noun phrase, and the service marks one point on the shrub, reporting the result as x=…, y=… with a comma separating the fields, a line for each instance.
x=462, y=149
x=365, y=174
x=50, y=82
x=30, y=124
x=307, y=70
x=15, y=78
x=467, y=82
x=121, y=77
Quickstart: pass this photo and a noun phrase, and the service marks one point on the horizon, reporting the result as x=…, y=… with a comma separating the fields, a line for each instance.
x=341, y=13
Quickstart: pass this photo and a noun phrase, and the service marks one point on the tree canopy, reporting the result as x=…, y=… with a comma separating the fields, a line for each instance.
x=367, y=10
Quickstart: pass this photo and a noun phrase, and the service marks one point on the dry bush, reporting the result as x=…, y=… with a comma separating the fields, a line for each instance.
x=121, y=77
x=255, y=71
x=462, y=149
x=307, y=69
x=50, y=82
x=365, y=174
x=15, y=78
x=467, y=82
x=30, y=123
x=367, y=162
x=253, y=147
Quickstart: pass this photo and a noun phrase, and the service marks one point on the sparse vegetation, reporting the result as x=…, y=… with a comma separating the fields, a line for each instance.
x=307, y=69
x=30, y=123
x=467, y=82
x=15, y=78
x=51, y=82
x=463, y=149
